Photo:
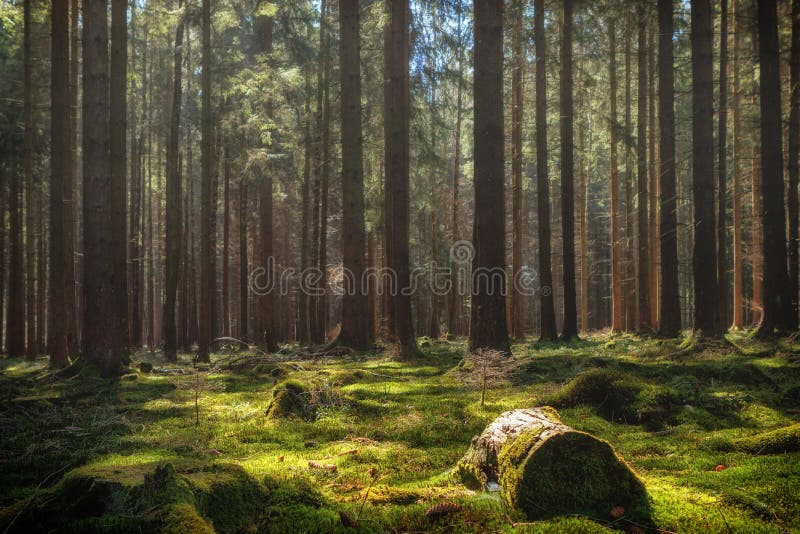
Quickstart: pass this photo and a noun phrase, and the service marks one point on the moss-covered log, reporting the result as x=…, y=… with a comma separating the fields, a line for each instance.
x=545, y=468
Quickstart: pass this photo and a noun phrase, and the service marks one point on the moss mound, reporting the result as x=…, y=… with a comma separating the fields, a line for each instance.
x=290, y=398
x=569, y=473
x=196, y=498
x=786, y=439
x=611, y=393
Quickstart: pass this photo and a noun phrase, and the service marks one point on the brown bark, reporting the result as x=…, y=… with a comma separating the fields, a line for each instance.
x=226, y=248
x=722, y=174
x=244, y=331
x=59, y=167
x=655, y=238
x=27, y=160
x=355, y=331
x=15, y=316
x=617, y=302
x=174, y=232
x=71, y=215
x=757, y=196
x=777, y=305
x=738, y=249
x=206, y=239
x=670, y=314
x=118, y=153
x=569, y=328
x=794, y=166
x=517, y=299
x=100, y=324
x=629, y=260
x=641, y=173
x=396, y=138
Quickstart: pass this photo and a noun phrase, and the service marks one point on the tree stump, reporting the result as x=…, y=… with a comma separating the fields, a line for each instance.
x=545, y=468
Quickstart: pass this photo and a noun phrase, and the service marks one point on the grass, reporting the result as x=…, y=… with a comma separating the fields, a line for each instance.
x=411, y=422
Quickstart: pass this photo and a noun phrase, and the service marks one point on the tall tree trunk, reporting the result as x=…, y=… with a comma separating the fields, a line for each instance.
x=265, y=226
x=174, y=200
x=629, y=260
x=303, y=331
x=655, y=237
x=722, y=174
x=583, y=219
x=101, y=324
x=517, y=60
x=59, y=168
x=15, y=317
x=488, y=322
x=355, y=330
x=547, y=311
x=757, y=196
x=226, y=234
x=794, y=166
x=670, y=314
x=206, y=239
x=777, y=305
x=396, y=125
x=641, y=172
x=118, y=151
x=704, y=219
x=30, y=237
x=570, y=326
x=617, y=298
x=244, y=318
x=738, y=249
x=71, y=216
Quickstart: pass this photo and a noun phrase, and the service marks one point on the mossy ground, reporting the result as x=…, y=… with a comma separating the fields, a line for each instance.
x=412, y=422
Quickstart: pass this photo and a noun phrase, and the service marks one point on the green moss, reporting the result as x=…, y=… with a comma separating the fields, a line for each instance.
x=183, y=518
x=611, y=393
x=778, y=441
x=289, y=398
x=470, y=475
x=568, y=473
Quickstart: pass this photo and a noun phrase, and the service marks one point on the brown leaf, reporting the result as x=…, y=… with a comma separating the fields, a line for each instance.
x=616, y=512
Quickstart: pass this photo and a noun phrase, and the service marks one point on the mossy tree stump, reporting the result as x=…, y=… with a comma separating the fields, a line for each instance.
x=546, y=468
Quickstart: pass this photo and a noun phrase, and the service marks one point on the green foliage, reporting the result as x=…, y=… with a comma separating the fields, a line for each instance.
x=778, y=441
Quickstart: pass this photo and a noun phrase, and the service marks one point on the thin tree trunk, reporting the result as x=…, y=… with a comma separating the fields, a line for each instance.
x=206, y=239
x=794, y=166
x=517, y=60
x=722, y=174
x=641, y=172
x=15, y=317
x=71, y=215
x=27, y=158
x=453, y=314
x=670, y=314
x=226, y=249
x=583, y=220
x=617, y=299
x=738, y=252
x=629, y=260
x=174, y=231
x=244, y=332
x=655, y=237
x=757, y=196
x=777, y=305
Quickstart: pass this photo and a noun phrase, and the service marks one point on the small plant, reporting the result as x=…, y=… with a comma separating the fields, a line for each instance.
x=486, y=368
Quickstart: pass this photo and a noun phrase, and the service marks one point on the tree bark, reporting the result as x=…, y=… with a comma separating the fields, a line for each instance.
x=100, y=325
x=27, y=159
x=570, y=326
x=15, y=317
x=518, y=60
x=59, y=168
x=355, y=330
x=206, y=239
x=722, y=175
x=617, y=297
x=670, y=314
x=118, y=151
x=641, y=172
x=655, y=237
x=396, y=137
x=174, y=232
x=777, y=305
x=738, y=249
x=629, y=260
x=794, y=166
x=547, y=306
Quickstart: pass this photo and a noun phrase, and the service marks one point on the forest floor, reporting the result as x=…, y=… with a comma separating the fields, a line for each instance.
x=377, y=439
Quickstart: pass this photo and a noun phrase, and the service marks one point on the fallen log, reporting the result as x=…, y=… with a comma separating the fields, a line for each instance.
x=545, y=468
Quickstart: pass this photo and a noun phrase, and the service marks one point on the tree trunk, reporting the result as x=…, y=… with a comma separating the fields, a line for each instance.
x=777, y=305
x=617, y=297
x=794, y=166
x=488, y=322
x=396, y=123
x=738, y=249
x=641, y=172
x=15, y=317
x=206, y=239
x=71, y=191
x=30, y=238
x=584, y=220
x=518, y=60
x=670, y=314
x=757, y=196
x=355, y=330
x=244, y=332
x=722, y=175
x=655, y=237
x=118, y=152
x=629, y=260
x=100, y=325
x=547, y=311
x=174, y=198
x=530, y=451
x=59, y=168
x=226, y=234
x=570, y=326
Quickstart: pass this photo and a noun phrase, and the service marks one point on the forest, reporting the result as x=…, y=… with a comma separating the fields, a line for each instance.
x=399, y=266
